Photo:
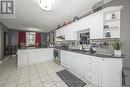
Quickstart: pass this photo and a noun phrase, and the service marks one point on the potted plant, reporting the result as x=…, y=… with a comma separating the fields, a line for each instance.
x=117, y=46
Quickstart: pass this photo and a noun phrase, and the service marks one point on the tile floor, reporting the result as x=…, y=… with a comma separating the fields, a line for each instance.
x=38, y=75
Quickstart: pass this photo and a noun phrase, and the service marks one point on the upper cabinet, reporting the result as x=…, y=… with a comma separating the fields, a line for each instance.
x=112, y=24
x=102, y=24
x=96, y=29
x=106, y=23
x=60, y=32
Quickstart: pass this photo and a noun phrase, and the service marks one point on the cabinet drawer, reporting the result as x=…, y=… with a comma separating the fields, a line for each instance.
x=93, y=78
x=93, y=64
x=93, y=68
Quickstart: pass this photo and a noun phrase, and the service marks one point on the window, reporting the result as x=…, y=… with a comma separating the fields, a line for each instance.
x=30, y=38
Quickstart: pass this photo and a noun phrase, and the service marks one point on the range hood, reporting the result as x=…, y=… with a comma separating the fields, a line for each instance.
x=61, y=37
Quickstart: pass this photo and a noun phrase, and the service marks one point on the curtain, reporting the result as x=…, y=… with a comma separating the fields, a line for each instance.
x=38, y=39
x=22, y=38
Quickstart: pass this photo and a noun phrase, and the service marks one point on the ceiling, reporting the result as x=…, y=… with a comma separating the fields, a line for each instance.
x=29, y=16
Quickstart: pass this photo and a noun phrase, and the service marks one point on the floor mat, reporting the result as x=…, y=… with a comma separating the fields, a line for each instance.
x=70, y=79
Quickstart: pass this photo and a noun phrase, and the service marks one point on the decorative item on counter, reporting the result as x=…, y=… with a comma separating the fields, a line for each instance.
x=75, y=18
x=106, y=45
x=108, y=34
x=117, y=46
x=106, y=26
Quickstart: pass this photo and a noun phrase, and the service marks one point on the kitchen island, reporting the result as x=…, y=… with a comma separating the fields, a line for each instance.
x=33, y=56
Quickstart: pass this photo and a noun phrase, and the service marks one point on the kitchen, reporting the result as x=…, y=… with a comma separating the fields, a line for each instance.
x=86, y=50
x=75, y=58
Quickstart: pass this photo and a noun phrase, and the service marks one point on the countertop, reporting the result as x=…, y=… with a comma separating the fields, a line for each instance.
x=81, y=52
x=35, y=48
x=94, y=54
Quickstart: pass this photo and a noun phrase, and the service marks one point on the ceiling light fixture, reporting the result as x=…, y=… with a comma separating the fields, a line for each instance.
x=46, y=5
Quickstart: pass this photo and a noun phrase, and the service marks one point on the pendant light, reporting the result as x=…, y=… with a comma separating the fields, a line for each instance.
x=46, y=5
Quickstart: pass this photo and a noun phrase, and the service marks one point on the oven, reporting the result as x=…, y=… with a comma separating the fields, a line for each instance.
x=57, y=56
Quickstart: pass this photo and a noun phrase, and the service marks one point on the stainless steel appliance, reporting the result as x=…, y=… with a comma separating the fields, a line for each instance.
x=57, y=56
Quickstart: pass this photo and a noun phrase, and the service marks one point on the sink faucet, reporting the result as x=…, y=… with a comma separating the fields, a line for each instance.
x=82, y=45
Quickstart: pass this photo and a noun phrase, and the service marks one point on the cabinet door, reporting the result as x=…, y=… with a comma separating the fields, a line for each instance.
x=23, y=59
x=45, y=55
x=32, y=57
x=71, y=60
x=64, y=58
x=79, y=65
x=93, y=78
x=96, y=30
x=70, y=33
x=111, y=73
x=60, y=32
x=57, y=32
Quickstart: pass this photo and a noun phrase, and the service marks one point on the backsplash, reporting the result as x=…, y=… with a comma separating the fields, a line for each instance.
x=103, y=46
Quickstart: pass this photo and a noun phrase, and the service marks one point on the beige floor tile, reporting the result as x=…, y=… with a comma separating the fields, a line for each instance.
x=36, y=83
x=49, y=84
x=26, y=84
x=45, y=78
x=23, y=80
x=61, y=84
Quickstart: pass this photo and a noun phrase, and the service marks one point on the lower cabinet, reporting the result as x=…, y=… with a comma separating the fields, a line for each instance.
x=79, y=65
x=22, y=58
x=101, y=72
x=93, y=78
x=110, y=72
x=34, y=56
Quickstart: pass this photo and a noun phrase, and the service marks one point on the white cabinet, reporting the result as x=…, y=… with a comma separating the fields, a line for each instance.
x=23, y=59
x=64, y=58
x=43, y=55
x=70, y=58
x=95, y=22
x=102, y=72
x=110, y=72
x=96, y=30
x=33, y=56
x=69, y=33
x=93, y=78
x=79, y=65
x=73, y=61
x=60, y=32
x=67, y=58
